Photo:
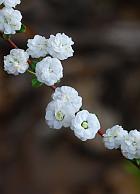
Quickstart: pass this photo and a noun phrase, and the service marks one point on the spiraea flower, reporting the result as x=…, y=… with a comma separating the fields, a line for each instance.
x=10, y=3
x=37, y=47
x=58, y=115
x=114, y=137
x=130, y=146
x=68, y=95
x=60, y=46
x=16, y=62
x=49, y=71
x=10, y=20
x=85, y=125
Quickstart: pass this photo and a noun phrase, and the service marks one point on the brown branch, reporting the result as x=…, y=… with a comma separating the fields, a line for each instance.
x=100, y=132
x=12, y=43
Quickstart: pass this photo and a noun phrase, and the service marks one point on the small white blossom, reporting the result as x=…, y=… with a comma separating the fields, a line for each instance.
x=130, y=147
x=49, y=71
x=85, y=125
x=58, y=115
x=59, y=46
x=37, y=47
x=114, y=137
x=10, y=3
x=16, y=62
x=10, y=20
x=68, y=95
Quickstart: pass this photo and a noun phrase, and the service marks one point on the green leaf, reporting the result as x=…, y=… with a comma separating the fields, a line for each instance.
x=132, y=169
x=138, y=162
x=22, y=29
x=36, y=83
x=33, y=65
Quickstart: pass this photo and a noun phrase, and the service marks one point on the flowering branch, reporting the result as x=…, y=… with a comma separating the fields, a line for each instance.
x=43, y=59
x=13, y=44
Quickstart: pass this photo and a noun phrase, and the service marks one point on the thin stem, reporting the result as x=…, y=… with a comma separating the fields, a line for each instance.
x=100, y=132
x=12, y=43
x=9, y=41
x=53, y=87
x=29, y=62
x=31, y=72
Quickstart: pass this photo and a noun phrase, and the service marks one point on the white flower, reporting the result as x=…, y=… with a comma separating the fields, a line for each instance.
x=37, y=47
x=16, y=62
x=59, y=46
x=49, y=71
x=85, y=125
x=58, y=115
x=10, y=20
x=68, y=95
x=130, y=147
x=114, y=137
x=10, y=3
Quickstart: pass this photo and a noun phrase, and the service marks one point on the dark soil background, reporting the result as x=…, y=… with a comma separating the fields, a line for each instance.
x=105, y=70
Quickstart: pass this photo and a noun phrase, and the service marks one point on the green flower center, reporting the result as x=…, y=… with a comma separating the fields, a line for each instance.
x=59, y=116
x=85, y=125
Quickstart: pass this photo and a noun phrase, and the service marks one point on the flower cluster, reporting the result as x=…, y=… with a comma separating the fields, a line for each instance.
x=48, y=69
x=10, y=19
x=64, y=111
x=129, y=143
x=65, y=103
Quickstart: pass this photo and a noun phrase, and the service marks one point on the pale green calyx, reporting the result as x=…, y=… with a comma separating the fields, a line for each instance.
x=85, y=125
x=59, y=116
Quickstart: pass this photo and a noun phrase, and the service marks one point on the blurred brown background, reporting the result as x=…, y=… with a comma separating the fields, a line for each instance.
x=105, y=70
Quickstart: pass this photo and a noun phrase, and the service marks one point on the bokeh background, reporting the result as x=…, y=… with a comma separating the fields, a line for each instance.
x=105, y=70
